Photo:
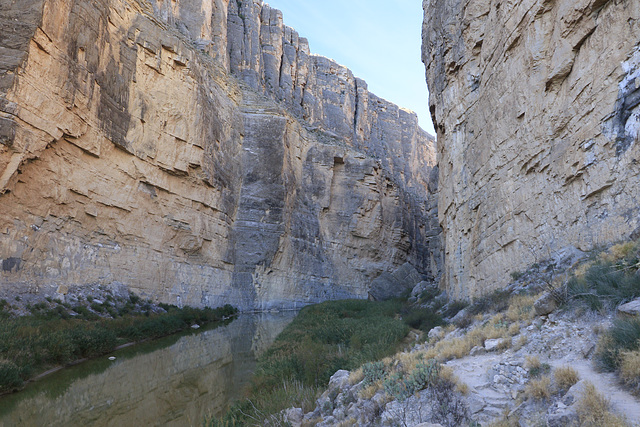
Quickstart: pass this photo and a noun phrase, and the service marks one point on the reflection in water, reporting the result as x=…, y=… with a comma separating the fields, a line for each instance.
x=172, y=382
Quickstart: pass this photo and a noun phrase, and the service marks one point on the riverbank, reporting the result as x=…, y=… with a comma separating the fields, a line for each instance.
x=176, y=380
x=324, y=338
x=560, y=346
x=57, y=334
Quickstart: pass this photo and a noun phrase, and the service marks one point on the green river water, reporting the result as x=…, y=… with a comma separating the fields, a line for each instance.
x=174, y=381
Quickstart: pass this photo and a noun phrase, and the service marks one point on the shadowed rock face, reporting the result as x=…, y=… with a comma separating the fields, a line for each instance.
x=196, y=152
x=536, y=110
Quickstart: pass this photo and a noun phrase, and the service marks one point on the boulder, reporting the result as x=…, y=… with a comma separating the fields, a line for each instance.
x=568, y=256
x=492, y=345
x=294, y=416
x=423, y=286
x=462, y=318
x=392, y=285
x=339, y=380
x=563, y=417
x=545, y=304
x=477, y=351
x=436, y=333
x=631, y=308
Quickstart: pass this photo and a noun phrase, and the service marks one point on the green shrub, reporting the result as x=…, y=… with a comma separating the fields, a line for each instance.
x=97, y=307
x=93, y=342
x=373, y=372
x=429, y=294
x=322, y=339
x=454, y=308
x=624, y=335
x=423, y=319
x=56, y=347
x=401, y=387
x=9, y=376
x=515, y=275
x=540, y=370
x=37, y=307
x=32, y=344
x=496, y=301
x=610, y=280
x=84, y=312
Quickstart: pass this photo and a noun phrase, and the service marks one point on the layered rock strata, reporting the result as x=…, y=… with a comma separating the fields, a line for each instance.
x=197, y=153
x=536, y=107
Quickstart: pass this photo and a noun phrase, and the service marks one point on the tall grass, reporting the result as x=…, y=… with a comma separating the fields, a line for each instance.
x=610, y=280
x=331, y=336
x=32, y=344
x=623, y=336
x=321, y=340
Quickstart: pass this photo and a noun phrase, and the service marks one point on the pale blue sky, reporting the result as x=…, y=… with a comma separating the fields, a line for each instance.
x=379, y=40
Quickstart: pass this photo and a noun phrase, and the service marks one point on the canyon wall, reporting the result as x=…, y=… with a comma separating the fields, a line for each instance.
x=536, y=108
x=198, y=153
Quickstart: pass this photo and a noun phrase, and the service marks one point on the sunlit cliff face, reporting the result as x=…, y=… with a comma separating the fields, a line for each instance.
x=202, y=156
x=537, y=131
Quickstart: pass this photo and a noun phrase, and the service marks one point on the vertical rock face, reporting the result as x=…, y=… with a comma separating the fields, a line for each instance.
x=536, y=110
x=196, y=152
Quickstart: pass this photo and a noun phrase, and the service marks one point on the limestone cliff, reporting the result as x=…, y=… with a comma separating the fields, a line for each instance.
x=197, y=152
x=536, y=107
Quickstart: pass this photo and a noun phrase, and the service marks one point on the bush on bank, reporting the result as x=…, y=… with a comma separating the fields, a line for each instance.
x=322, y=339
x=32, y=344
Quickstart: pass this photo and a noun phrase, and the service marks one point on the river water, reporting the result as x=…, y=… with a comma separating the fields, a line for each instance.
x=175, y=381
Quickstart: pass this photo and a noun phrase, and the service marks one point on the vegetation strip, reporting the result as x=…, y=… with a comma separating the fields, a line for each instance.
x=321, y=340
x=36, y=344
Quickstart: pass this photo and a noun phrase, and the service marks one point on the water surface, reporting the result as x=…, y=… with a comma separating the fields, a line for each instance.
x=174, y=381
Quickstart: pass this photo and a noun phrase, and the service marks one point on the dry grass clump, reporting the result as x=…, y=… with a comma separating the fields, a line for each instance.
x=347, y=423
x=407, y=362
x=505, y=344
x=521, y=308
x=356, y=376
x=565, y=377
x=514, y=329
x=618, y=252
x=594, y=410
x=312, y=422
x=368, y=392
x=630, y=369
x=532, y=363
x=521, y=342
x=535, y=368
x=462, y=388
x=539, y=389
x=456, y=348
x=447, y=374
x=506, y=421
x=501, y=325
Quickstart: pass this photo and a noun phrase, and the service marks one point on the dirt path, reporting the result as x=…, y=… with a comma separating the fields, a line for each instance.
x=496, y=380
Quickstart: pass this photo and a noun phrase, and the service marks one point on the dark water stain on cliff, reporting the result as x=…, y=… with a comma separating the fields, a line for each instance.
x=626, y=107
